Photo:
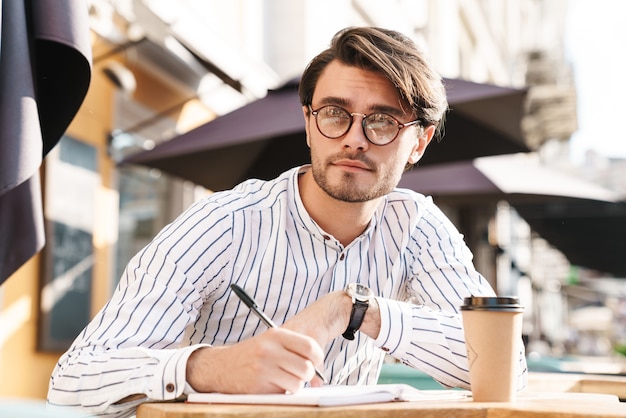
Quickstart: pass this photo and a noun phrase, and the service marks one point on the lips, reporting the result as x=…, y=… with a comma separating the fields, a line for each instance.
x=352, y=164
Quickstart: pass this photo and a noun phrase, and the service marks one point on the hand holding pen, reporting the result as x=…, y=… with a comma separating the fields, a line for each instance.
x=250, y=303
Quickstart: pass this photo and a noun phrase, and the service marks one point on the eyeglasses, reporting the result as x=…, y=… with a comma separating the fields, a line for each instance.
x=379, y=128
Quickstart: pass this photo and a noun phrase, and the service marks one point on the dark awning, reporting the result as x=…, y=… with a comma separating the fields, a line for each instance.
x=585, y=222
x=589, y=233
x=513, y=177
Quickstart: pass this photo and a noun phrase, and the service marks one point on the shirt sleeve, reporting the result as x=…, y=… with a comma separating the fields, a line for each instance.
x=133, y=346
x=97, y=382
x=427, y=340
x=130, y=348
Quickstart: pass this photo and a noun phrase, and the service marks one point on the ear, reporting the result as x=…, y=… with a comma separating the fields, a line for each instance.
x=422, y=142
x=307, y=116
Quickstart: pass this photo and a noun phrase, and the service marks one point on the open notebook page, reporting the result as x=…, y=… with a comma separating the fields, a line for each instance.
x=334, y=396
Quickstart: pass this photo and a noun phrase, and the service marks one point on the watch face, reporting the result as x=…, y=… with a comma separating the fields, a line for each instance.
x=359, y=291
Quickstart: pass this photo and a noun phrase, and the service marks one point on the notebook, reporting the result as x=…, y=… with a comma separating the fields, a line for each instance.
x=334, y=395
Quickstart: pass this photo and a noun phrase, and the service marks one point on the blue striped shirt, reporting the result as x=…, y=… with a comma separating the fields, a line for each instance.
x=174, y=295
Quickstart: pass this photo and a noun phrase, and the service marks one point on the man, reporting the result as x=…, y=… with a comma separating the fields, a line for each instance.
x=301, y=245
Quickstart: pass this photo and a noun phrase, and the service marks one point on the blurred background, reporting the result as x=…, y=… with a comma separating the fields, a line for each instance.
x=532, y=168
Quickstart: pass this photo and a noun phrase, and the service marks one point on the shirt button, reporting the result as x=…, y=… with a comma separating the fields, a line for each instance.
x=342, y=256
x=326, y=237
x=170, y=387
x=385, y=349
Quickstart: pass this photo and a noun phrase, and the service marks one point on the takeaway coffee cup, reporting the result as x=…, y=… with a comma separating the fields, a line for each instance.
x=493, y=331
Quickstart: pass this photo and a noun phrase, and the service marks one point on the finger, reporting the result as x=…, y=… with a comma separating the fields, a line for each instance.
x=296, y=365
x=316, y=382
x=302, y=345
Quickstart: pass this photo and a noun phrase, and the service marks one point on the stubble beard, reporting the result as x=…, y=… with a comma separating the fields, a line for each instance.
x=348, y=188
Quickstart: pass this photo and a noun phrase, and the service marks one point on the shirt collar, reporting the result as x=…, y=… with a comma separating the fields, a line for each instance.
x=302, y=217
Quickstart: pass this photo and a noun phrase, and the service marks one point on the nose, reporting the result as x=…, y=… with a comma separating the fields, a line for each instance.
x=355, y=137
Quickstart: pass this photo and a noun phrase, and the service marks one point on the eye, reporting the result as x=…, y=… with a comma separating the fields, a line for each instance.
x=381, y=122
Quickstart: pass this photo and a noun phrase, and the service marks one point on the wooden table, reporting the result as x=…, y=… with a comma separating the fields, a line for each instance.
x=584, y=383
x=555, y=405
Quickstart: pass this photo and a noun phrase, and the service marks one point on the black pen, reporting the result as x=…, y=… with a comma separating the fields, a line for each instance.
x=250, y=303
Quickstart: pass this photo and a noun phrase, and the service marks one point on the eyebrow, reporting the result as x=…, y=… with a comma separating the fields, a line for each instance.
x=376, y=108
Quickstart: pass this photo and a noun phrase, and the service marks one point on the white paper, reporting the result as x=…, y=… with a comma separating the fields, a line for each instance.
x=334, y=396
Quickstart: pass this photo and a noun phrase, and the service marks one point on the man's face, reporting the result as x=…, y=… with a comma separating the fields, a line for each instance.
x=350, y=168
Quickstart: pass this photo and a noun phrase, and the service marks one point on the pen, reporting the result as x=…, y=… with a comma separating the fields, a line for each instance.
x=250, y=303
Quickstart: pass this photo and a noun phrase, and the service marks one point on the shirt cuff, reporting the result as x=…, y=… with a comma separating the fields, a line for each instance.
x=172, y=370
x=400, y=315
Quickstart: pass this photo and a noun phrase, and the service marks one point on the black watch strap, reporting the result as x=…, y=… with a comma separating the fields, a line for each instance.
x=356, y=319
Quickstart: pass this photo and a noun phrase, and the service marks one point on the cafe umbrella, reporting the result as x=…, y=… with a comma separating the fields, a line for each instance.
x=585, y=222
x=518, y=178
x=266, y=136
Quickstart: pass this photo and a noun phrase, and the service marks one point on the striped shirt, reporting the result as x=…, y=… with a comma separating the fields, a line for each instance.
x=174, y=295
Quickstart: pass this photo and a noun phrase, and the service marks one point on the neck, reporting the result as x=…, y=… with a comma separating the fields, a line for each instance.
x=343, y=220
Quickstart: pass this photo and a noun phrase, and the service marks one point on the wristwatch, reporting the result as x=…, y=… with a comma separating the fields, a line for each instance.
x=361, y=296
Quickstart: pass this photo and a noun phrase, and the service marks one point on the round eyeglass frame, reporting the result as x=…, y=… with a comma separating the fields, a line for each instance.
x=364, y=120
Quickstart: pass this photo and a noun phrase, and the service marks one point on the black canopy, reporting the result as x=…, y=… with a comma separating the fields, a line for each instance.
x=585, y=222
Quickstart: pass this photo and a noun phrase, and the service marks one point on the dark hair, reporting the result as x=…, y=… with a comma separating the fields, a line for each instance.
x=392, y=54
